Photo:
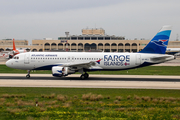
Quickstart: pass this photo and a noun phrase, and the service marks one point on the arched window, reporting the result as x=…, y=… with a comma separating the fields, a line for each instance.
x=67, y=44
x=7, y=49
x=120, y=44
x=100, y=44
x=93, y=46
x=80, y=47
x=40, y=50
x=34, y=50
x=107, y=44
x=127, y=44
x=113, y=44
x=60, y=44
x=134, y=44
x=53, y=44
x=87, y=46
x=73, y=44
x=47, y=44
x=1, y=49
x=80, y=44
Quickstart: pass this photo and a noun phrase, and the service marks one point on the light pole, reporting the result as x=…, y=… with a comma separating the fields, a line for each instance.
x=67, y=34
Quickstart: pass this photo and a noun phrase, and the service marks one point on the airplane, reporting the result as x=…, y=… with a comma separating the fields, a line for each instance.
x=5, y=54
x=17, y=51
x=172, y=51
x=10, y=54
x=66, y=63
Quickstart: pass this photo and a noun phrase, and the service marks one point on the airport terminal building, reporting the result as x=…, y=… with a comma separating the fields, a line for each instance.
x=90, y=40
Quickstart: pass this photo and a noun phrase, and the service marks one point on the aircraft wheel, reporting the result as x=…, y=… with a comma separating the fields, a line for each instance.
x=82, y=77
x=27, y=76
x=86, y=75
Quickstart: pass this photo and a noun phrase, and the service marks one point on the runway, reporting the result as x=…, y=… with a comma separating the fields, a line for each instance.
x=95, y=81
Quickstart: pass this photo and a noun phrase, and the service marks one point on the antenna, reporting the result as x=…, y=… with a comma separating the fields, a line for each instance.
x=67, y=34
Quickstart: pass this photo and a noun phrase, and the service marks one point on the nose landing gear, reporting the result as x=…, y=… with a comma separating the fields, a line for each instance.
x=28, y=75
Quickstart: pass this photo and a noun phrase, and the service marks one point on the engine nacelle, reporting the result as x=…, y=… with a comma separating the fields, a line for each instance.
x=57, y=71
x=67, y=70
x=61, y=71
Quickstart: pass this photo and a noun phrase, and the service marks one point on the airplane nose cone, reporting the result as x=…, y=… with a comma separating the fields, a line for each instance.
x=8, y=63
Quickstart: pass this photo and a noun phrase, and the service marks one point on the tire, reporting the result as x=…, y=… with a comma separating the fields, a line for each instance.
x=27, y=76
x=82, y=77
x=86, y=75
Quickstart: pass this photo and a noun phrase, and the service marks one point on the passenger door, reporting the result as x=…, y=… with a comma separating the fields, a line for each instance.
x=26, y=58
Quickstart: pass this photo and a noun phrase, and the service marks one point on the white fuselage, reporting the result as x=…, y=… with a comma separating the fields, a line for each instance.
x=108, y=61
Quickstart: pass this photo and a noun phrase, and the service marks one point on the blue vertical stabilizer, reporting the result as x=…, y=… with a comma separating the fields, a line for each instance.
x=159, y=43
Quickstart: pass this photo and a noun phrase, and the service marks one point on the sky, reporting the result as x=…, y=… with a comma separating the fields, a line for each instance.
x=38, y=19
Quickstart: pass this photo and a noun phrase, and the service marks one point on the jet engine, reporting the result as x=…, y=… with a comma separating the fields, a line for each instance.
x=57, y=71
x=67, y=70
x=62, y=71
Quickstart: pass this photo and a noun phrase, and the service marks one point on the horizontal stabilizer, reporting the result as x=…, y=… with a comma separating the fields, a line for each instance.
x=162, y=58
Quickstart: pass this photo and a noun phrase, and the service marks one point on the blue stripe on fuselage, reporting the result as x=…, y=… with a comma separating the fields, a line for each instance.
x=49, y=67
x=142, y=65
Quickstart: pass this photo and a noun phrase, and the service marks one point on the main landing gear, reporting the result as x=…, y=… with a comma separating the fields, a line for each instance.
x=84, y=76
x=28, y=75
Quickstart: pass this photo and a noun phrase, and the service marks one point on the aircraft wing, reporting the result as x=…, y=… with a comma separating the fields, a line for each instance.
x=82, y=64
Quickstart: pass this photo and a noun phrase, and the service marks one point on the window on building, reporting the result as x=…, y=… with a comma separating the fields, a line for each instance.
x=87, y=38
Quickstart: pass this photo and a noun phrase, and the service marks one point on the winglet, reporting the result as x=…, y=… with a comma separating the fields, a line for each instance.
x=160, y=41
x=14, y=48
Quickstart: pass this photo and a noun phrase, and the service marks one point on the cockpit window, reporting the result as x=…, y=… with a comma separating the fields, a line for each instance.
x=16, y=57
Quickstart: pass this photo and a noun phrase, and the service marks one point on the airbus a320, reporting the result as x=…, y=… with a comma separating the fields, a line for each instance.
x=66, y=63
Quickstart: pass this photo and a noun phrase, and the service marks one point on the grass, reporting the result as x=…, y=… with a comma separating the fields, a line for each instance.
x=88, y=103
x=95, y=103
x=150, y=70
